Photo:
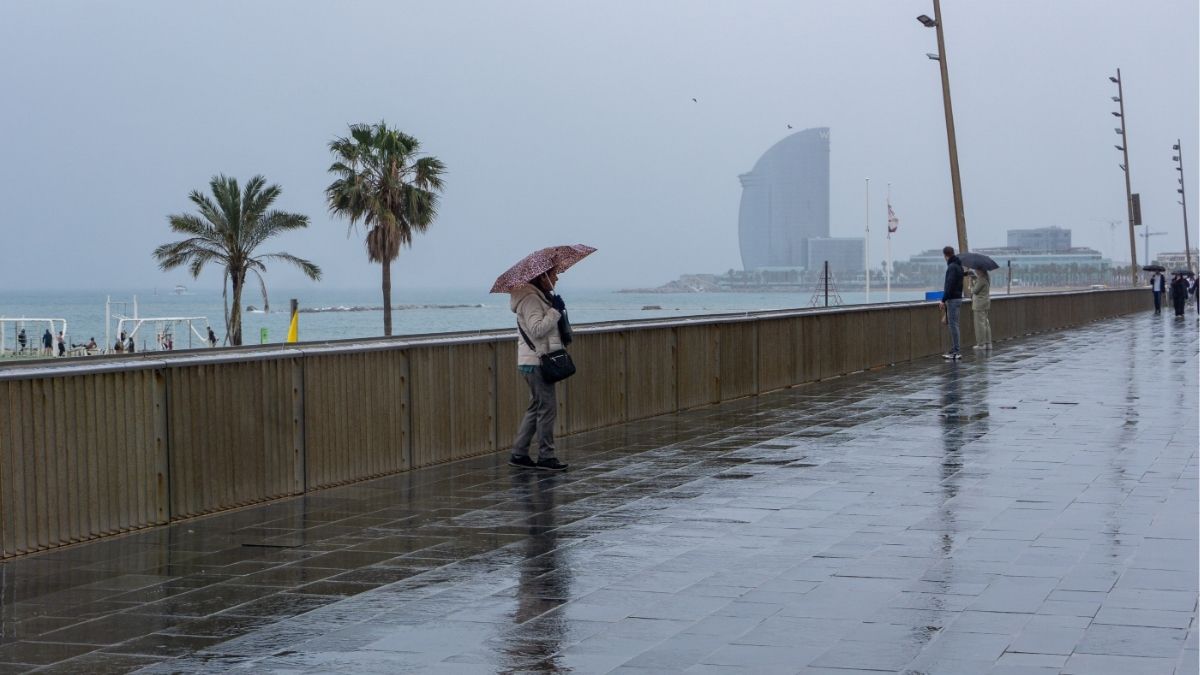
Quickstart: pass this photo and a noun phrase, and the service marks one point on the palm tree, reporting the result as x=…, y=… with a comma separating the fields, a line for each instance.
x=383, y=181
x=230, y=227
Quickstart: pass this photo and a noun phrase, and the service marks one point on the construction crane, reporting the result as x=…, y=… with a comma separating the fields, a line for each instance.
x=1146, y=234
x=1112, y=232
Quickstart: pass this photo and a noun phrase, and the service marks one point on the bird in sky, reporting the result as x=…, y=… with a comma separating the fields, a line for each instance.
x=694, y=101
x=789, y=126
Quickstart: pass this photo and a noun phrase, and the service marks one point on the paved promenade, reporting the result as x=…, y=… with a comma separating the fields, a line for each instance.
x=1030, y=511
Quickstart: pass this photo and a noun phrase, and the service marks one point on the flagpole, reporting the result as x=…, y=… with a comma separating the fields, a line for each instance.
x=867, y=243
x=889, y=244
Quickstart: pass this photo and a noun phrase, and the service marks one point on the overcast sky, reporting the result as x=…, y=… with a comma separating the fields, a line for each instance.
x=565, y=122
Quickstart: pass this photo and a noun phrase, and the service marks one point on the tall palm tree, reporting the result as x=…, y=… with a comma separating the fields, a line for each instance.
x=228, y=230
x=383, y=181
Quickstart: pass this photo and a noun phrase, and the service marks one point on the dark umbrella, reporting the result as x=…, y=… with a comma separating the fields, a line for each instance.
x=558, y=258
x=1183, y=272
x=1154, y=268
x=977, y=261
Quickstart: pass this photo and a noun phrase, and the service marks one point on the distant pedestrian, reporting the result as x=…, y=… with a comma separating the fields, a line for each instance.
x=981, y=305
x=62, y=344
x=48, y=342
x=538, y=312
x=22, y=339
x=952, y=292
x=129, y=345
x=1179, y=293
x=119, y=346
x=91, y=346
x=212, y=337
x=1158, y=284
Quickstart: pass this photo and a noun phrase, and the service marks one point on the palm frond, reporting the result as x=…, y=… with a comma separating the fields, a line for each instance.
x=309, y=268
x=262, y=287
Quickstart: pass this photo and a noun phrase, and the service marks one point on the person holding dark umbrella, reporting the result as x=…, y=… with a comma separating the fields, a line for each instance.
x=1179, y=293
x=981, y=295
x=544, y=333
x=1158, y=284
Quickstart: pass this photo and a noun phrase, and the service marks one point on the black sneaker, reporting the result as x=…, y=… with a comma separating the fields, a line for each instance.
x=523, y=461
x=551, y=464
x=951, y=356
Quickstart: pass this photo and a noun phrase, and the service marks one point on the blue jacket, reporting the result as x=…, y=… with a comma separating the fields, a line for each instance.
x=953, y=289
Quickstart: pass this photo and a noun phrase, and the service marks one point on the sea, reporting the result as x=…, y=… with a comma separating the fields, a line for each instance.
x=332, y=314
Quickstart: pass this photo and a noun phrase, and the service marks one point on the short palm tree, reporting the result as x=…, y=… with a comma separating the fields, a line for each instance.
x=384, y=182
x=228, y=230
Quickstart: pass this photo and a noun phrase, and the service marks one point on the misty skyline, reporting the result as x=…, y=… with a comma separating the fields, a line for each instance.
x=564, y=123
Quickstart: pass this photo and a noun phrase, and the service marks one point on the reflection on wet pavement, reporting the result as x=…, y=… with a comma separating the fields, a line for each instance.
x=1034, y=510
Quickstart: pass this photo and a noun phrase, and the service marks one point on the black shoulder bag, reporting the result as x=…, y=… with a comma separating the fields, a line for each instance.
x=556, y=365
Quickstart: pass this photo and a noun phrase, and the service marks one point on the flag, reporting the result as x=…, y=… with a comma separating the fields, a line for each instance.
x=893, y=221
x=294, y=329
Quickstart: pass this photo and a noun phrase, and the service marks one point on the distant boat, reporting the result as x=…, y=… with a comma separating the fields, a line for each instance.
x=180, y=289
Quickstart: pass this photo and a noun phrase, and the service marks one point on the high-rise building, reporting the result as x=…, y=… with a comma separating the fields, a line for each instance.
x=1040, y=239
x=785, y=201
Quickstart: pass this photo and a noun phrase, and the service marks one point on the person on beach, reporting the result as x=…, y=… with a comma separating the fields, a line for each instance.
x=1158, y=284
x=212, y=337
x=22, y=339
x=48, y=343
x=981, y=304
x=91, y=346
x=1179, y=293
x=952, y=292
x=538, y=311
x=62, y=344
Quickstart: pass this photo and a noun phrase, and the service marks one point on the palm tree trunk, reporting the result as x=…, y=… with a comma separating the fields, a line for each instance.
x=387, y=298
x=235, y=311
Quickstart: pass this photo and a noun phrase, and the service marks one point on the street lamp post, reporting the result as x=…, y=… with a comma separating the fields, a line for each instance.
x=1187, y=244
x=1124, y=148
x=960, y=219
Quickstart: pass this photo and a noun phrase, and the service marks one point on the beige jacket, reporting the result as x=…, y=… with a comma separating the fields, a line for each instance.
x=981, y=293
x=540, y=322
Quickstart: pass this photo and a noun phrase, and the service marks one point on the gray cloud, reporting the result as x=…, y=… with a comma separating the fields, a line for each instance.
x=566, y=122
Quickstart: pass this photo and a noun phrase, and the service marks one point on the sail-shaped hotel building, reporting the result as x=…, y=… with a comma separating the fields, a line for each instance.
x=785, y=202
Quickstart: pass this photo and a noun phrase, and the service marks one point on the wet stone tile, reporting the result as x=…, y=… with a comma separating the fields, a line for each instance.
x=41, y=653
x=98, y=663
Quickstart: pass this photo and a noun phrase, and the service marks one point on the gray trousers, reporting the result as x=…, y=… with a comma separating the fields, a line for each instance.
x=983, y=327
x=952, y=307
x=539, y=417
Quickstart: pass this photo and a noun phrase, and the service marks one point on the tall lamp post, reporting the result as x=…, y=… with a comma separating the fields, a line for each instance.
x=1124, y=148
x=1187, y=244
x=960, y=219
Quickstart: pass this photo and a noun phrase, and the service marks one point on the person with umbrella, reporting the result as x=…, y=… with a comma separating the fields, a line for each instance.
x=1179, y=292
x=1158, y=284
x=981, y=295
x=544, y=333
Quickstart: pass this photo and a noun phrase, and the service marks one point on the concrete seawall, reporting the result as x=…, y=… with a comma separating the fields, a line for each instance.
x=106, y=445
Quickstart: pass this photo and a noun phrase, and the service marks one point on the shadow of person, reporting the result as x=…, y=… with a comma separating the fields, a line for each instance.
x=543, y=581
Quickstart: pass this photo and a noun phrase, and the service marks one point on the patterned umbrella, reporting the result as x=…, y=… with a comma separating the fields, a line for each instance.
x=558, y=258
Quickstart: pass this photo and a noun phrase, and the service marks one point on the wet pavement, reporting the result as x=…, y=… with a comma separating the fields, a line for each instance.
x=1031, y=511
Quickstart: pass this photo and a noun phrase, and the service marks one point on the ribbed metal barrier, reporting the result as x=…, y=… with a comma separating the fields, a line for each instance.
x=102, y=445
